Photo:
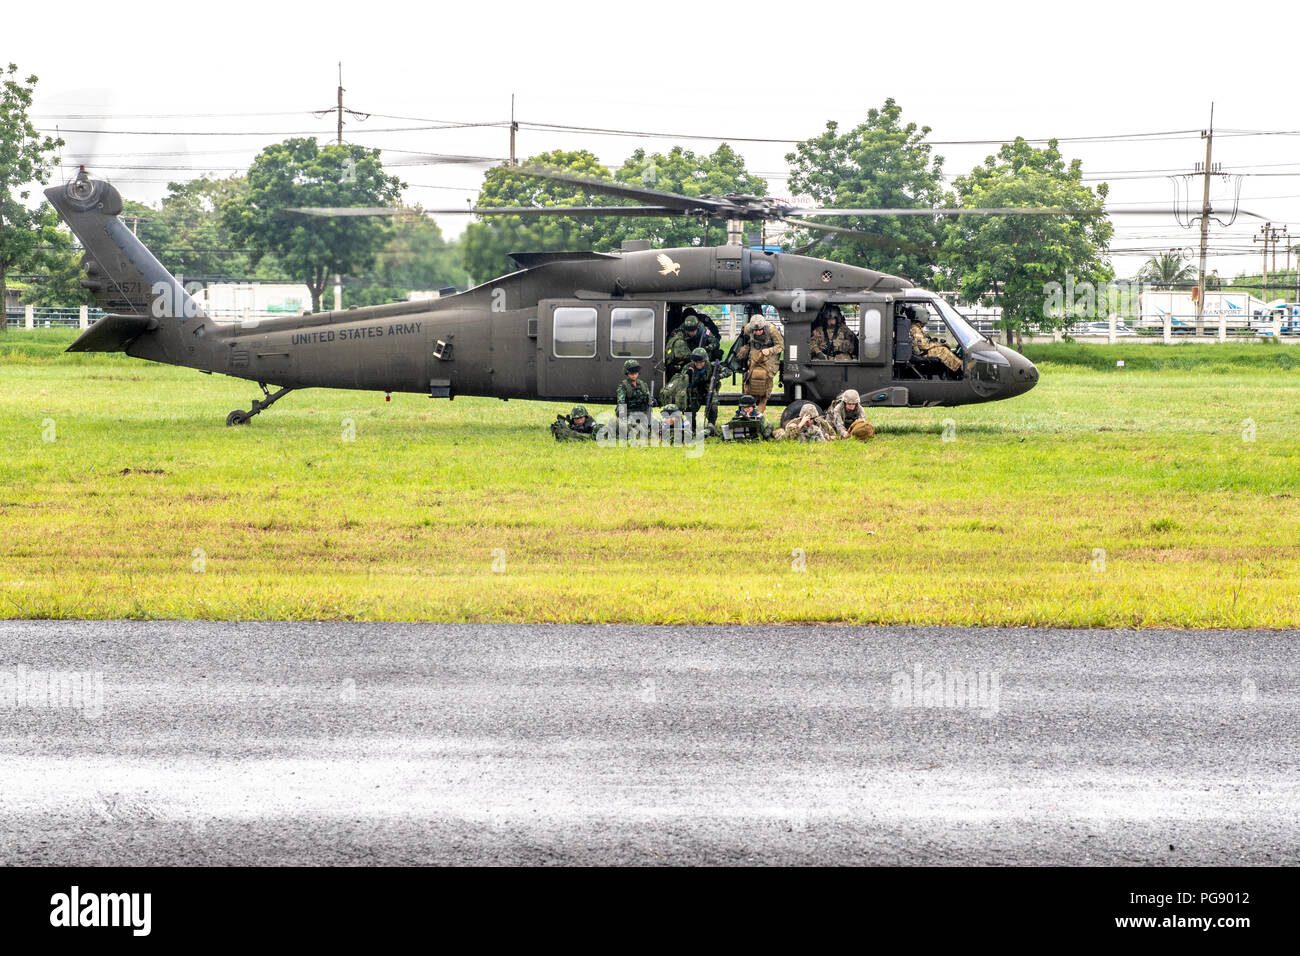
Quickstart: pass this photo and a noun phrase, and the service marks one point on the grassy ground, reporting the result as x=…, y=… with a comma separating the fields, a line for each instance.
x=1104, y=497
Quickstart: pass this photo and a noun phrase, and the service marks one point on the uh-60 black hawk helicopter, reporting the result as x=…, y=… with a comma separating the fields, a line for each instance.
x=562, y=326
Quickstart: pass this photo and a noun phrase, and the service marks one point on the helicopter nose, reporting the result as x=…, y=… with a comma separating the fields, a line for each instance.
x=1024, y=374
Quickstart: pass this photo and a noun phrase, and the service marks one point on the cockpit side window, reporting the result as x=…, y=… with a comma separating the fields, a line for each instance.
x=836, y=332
x=871, y=336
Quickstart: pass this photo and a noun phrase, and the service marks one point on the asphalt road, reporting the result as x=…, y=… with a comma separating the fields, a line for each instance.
x=204, y=743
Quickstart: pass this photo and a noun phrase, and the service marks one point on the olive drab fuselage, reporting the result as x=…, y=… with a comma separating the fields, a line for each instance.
x=558, y=329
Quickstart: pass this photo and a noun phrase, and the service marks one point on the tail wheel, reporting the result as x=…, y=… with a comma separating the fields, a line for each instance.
x=237, y=417
x=791, y=411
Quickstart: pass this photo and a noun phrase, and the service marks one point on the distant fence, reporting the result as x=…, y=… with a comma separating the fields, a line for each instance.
x=39, y=317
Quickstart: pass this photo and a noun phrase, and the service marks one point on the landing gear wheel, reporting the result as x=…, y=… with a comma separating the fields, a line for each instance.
x=237, y=417
x=791, y=411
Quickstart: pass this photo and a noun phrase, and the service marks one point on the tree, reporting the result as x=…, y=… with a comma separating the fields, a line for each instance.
x=416, y=257
x=880, y=163
x=59, y=260
x=1023, y=262
x=299, y=172
x=488, y=244
x=1167, y=270
x=25, y=158
x=683, y=172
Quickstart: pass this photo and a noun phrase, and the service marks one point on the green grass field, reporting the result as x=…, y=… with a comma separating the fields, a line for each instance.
x=1114, y=497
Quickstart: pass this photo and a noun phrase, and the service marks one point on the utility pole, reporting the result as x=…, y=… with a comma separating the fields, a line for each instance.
x=514, y=128
x=1266, y=234
x=338, y=279
x=1208, y=136
x=340, y=140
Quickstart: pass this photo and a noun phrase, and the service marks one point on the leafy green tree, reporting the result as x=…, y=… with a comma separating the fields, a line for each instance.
x=880, y=163
x=188, y=232
x=25, y=158
x=683, y=172
x=59, y=260
x=1167, y=270
x=416, y=258
x=300, y=172
x=1013, y=261
x=488, y=244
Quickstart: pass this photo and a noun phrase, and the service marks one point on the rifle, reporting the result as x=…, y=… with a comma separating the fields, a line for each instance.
x=711, y=400
x=730, y=362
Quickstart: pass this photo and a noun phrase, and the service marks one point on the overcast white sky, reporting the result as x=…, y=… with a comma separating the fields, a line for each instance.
x=746, y=68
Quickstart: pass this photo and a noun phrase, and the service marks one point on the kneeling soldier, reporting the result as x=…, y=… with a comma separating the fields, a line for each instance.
x=671, y=426
x=632, y=398
x=689, y=388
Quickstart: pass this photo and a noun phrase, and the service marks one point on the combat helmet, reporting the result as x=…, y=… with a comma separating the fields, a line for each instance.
x=579, y=411
x=691, y=322
x=670, y=410
x=631, y=365
x=699, y=355
x=851, y=397
x=747, y=400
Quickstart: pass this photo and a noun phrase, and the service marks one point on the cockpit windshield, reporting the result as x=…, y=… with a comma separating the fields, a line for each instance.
x=965, y=332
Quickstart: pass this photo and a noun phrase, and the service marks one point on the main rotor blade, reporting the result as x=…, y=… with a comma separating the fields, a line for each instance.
x=612, y=188
x=838, y=230
x=871, y=239
x=977, y=211
x=488, y=211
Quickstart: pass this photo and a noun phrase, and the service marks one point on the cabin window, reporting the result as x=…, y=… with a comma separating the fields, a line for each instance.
x=575, y=333
x=870, y=337
x=632, y=333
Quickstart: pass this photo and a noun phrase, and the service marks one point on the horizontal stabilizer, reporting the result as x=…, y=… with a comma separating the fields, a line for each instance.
x=113, y=333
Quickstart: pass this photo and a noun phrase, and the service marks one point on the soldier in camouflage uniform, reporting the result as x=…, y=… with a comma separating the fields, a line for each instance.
x=689, y=388
x=632, y=397
x=578, y=426
x=691, y=336
x=632, y=394
x=847, y=417
x=809, y=426
x=760, y=357
x=671, y=426
x=832, y=340
x=748, y=411
x=925, y=346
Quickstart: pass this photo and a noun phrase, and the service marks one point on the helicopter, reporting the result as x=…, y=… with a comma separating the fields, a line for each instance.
x=561, y=327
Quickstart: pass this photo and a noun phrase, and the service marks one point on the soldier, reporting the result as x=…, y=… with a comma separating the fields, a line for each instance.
x=671, y=425
x=689, y=388
x=578, y=425
x=632, y=397
x=748, y=412
x=847, y=417
x=760, y=357
x=925, y=346
x=832, y=340
x=690, y=336
x=808, y=426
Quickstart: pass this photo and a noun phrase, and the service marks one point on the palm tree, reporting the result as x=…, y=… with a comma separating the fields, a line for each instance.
x=1167, y=270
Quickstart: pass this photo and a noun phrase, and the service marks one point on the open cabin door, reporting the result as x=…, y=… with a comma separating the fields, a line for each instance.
x=582, y=345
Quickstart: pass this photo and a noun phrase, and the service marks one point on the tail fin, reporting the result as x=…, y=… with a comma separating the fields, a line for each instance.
x=124, y=276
